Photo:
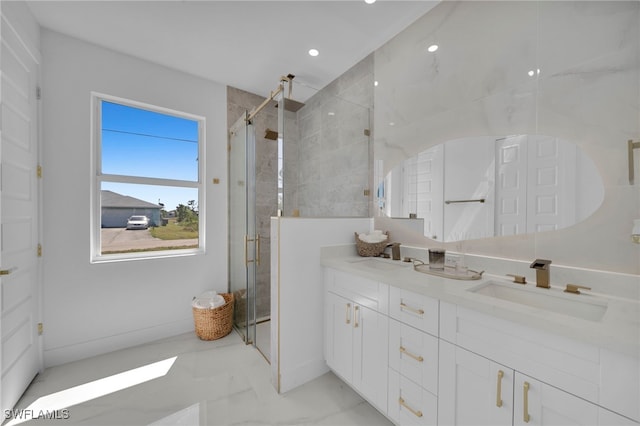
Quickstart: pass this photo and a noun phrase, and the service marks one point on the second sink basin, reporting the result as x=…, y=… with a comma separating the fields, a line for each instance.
x=554, y=300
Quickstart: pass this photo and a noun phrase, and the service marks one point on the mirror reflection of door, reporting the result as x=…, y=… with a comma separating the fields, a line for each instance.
x=481, y=187
x=536, y=184
x=511, y=187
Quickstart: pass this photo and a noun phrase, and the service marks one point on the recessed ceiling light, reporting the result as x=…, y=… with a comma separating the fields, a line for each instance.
x=369, y=1
x=314, y=52
x=432, y=48
x=532, y=72
x=375, y=83
x=331, y=113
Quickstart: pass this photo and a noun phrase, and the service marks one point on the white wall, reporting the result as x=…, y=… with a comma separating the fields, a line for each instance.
x=297, y=294
x=96, y=308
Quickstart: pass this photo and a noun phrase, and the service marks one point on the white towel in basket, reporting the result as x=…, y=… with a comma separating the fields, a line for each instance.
x=208, y=300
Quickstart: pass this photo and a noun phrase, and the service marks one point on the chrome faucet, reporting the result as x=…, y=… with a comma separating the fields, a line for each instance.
x=542, y=272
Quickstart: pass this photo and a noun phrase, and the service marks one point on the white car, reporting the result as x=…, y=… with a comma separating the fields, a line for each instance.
x=138, y=222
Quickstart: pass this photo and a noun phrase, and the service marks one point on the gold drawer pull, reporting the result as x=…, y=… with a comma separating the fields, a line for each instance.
x=526, y=416
x=410, y=309
x=348, y=317
x=7, y=271
x=499, y=389
x=417, y=413
x=406, y=352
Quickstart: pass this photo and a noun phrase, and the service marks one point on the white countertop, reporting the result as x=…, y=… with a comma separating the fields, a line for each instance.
x=618, y=330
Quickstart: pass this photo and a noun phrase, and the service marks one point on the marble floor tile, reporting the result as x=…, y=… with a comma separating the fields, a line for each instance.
x=221, y=382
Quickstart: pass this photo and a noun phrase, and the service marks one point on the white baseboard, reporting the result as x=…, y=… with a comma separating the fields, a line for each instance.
x=75, y=352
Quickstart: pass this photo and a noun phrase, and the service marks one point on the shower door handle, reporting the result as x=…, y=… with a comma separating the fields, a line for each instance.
x=246, y=250
x=257, y=249
x=247, y=261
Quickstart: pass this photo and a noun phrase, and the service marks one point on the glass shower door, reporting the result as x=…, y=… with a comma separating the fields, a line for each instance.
x=243, y=241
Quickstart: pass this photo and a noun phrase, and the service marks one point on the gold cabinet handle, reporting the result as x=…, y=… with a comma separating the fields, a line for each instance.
x=416, y=413
x=499, y=389
x=418, y=358
x=356, y=314
x=410, y=309
x=526, y=416
x=7, y=271
x=348, y=317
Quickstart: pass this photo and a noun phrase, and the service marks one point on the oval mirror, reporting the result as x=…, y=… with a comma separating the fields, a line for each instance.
x=486, y=186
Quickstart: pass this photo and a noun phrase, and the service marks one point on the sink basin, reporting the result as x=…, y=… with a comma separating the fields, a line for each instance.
x=554, y=300
x=380, y=264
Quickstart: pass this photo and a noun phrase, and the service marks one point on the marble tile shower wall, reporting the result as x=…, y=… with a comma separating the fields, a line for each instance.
x=333, y=159
x=291, y=162
x=569, y=69
x=239, y=101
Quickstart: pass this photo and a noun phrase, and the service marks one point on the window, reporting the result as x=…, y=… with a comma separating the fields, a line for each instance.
x=147, y=199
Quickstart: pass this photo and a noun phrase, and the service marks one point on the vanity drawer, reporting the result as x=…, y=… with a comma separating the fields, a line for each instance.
x=409, y=404
x=414, y=309
x=363, y=291
x=414, y=354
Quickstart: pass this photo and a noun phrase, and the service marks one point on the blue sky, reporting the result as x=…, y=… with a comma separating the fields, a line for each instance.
x=137, y=142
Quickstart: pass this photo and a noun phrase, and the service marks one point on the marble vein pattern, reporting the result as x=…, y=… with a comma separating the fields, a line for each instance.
x=222, y=382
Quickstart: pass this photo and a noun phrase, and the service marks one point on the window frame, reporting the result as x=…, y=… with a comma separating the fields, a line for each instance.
x=97, y=178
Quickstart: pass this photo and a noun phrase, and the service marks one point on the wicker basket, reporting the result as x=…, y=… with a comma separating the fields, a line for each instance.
x=371, y=249
x=212, y=324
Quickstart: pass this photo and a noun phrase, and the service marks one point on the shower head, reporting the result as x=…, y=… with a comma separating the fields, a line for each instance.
x=271, y=135
x=290, y=104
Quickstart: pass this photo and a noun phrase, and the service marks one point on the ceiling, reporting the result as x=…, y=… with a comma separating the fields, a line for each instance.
x=245, y=44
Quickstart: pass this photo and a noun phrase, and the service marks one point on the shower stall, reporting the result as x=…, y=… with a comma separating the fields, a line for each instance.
x=316, y=164
x=255, y=194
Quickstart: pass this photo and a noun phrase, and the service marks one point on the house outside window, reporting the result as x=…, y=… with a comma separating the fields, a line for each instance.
x=147, y=198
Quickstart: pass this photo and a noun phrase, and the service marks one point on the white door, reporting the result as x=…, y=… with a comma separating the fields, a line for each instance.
x=473, y=390
x=538, y=404
x=339, y=340
x=370, y=354
x=430, y=175
x=551, y=184
x=511, y=185
x=19, y=234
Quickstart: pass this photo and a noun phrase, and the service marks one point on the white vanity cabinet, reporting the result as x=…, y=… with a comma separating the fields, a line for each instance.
x=536, y=403
x=541, y=378
x=473, y=390
x=424, y=361
x=413, y=358
x=409, y=403
x=476, y=390
x=414, y=309
x=356, y=334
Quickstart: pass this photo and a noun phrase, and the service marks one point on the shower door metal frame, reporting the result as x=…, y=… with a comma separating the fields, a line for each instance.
x=244, y=242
